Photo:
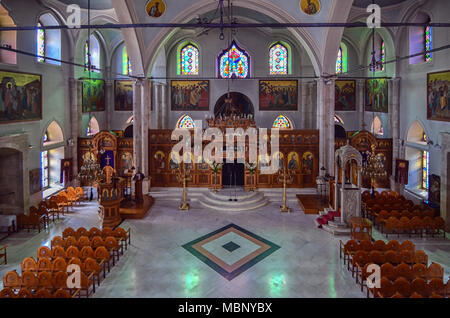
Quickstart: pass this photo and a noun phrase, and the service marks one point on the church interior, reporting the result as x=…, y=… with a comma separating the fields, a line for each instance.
x=346, y=104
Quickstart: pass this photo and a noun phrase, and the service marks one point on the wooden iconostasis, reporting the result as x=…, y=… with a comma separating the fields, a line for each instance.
x=298, y=148
x=363, y=141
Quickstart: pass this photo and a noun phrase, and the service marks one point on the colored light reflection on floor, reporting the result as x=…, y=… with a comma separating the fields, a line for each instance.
x=191, y=281
x=332, y=293
x=277, y=283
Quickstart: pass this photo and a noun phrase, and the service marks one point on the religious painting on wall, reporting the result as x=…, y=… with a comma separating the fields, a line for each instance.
x=66, y=171
x=190, y=95
x=293, y=161
x=159, y=161
x=345, y=95
x=263, y=162
x=401, y=171
x=434, y=190
x=310, y=7
x=376, y=95
x=174, y=160
x=279, y=157
x=278, y=95
x=93, y=95
x=308, y=163
x=127, y=161
x=155, y=8
x=438, y=96
x=35, y=181
x=123, y=95
x=20, y=97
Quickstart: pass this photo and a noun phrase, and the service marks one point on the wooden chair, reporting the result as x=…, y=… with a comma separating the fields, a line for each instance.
x=24, y=293
x=97, y=241
x=379, y=245
x=59, y=265
x=437, y=286
x=438, y=226
x=44, y=265
x=388, y=271
x=68, y=232
x=43, y=293
x=80, y=192
x=419, y=271
x=94, y=232
x=76, y=261
x=60, y=280
x=12, y=280
x=397, y=295
x=112, y=246
x=81, y=232
x=386, y=289
x=405, y=226
x=365, y=245
x=44, y=252
x=402, y=286
x=435, y=270
x=403, y=270
x=58, y=252
x=102, y=254
x=358, y=260
x=106, y=232
x=123, y=236
x=29, y=265
x=3, y=254
x=7, y=293
x=53, y=209
x=428, y=225
x=377, y=257
x=70, y=241
x=407, y=257
x=420, y=257
x=407, y=246
x=83, y=241
x=45, y=280
x=392, y=257
x=417, y=225
x=347, y=249
x=72, y=251
x=30, y=281
x=86, y=252
x=434, y=295
x=391, y=226
x=57, y=241
x=420, y=286
x=87, y=284
x=393, y=245
x=61, y=293
x=90, y=266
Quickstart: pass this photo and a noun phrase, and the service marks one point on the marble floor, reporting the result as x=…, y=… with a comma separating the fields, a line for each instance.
x=307, y=263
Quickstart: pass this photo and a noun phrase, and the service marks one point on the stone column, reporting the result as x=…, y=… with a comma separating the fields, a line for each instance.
x=325, y=123
x=394, y=113
x=164, y=105
x=360, y=100
x=109, y=94
x=157, y=106
x=445, y=176
x=75, y=87
x=303, y=104
x=137, y=123
x=309, y=107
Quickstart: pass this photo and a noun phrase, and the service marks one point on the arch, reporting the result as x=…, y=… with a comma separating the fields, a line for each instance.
x=282, y=122
x=188, y=59
x=185, y=121
x=7, y=37
x=48, y=42
x=301, y=35
x=92, y=53
x=338, y=120
x=93, y=127
x=416, y=133
x=280, y=59
x=377, y=127
x=130, y=120
x=241, y=104
x=128, y=132
x=339, y=132
x=53, y=134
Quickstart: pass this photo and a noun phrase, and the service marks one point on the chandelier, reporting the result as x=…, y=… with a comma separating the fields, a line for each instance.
x=374, y=168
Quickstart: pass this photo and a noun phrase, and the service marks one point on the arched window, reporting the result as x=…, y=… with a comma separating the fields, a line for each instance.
x=93, y=127
x=7, y=37
x=51, y=155
x=425, y=169
x=420, y=39
x=233, y=63
x=278, y=59
x=188, y=60
x=282, y=122
x=338, y=120
x=417, y=154
x=382, y=56
x=339, y=62
x=92, y=54
x=48, y=42
x=186, y=122
x=126, y=64
x=377, y=127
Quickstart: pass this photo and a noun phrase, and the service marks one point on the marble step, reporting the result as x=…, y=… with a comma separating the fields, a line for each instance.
x=337, y=224
x=233, y=206
x=336, y=231
x=213, y=198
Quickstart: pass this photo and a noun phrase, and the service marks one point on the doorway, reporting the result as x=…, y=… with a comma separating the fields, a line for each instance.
x=233, y=174
x=11, y=177
x=240, y=105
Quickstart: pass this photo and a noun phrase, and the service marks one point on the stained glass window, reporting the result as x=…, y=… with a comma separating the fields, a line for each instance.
x=339, y=62
x=278, y=59
x=425, y=167
x=40, y=44
x=44, y=169
x=45, y=139
x=92, y=54
x=186, y=122
x=282, y=122
x=126, y=64
x=382, y=56
x=189, y=60
x=234, y=63
x=428, y=43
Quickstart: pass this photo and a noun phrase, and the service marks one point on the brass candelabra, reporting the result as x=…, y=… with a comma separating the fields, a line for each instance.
x=374, y=168
x=285, y=177
x=183, y=176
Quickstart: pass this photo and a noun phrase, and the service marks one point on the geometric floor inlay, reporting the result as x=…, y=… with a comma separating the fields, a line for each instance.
x=231, y=250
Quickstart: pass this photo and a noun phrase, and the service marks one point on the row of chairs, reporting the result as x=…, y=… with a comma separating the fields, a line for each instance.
x=112, y=251
x=418, y=288
x=385, y=214
x=346, y=250
x=404, y=225
x=118, y=233
x=52, y=281
x=41, y=293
